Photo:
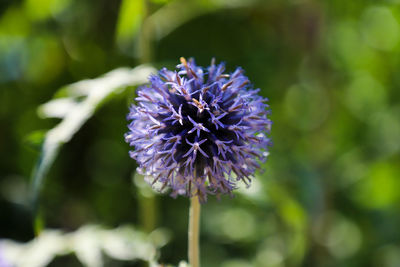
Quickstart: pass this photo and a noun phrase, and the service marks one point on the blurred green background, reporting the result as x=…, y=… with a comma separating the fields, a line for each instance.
x=330, y=191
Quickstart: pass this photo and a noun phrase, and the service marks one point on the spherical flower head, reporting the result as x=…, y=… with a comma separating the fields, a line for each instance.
x=198, y=131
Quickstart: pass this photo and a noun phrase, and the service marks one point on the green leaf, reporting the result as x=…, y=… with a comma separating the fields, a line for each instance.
x=178, y=12
x=35, y=139
x=129, y=20
x=43, y=9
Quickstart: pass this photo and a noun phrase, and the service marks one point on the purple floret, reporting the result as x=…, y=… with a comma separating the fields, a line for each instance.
x=198, y=131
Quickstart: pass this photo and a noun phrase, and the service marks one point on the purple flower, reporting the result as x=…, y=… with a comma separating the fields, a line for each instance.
x=198, y=131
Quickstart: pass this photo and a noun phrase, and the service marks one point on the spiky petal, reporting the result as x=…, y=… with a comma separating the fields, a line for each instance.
x=198, y=131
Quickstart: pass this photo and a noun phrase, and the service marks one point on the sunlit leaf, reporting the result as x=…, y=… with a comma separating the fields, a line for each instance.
x=42, y=9
x=88, y=243
x=97, y=91
x=39, y=252
x=57, y=108
x=129, y=19
x=183, y=264
x=14, y=22
x=379, y=188
x=86, y=246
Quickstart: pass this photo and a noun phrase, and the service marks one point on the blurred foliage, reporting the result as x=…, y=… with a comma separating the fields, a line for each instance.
x=87, y=243
x=329, y=194
x=75, y=108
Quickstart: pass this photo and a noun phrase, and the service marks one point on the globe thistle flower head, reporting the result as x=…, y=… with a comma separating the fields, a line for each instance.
x=198, y=131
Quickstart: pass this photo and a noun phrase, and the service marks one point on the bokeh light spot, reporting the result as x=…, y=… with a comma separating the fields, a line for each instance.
x=341, y=236
x=380, y=28
x=365, y=96
x=379, y=189
x=307, y=106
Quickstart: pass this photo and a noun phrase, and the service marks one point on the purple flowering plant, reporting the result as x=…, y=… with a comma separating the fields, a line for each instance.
x=199, y=131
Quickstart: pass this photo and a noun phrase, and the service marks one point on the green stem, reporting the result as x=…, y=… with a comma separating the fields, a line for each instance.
x=145, y=40
x=194, y=226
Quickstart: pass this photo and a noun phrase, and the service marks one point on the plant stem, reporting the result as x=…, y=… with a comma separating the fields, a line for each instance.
x=145, y=39
x=194, y=225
